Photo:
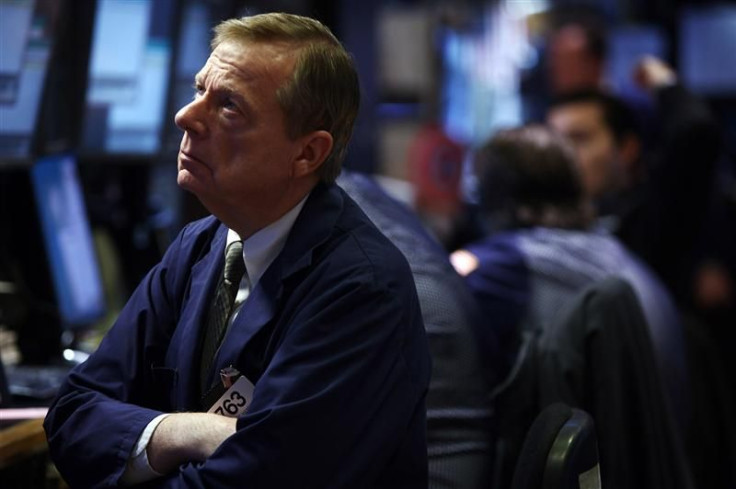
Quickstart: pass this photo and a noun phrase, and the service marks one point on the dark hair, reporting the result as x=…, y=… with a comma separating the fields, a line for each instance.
x=617, y=115
x=528, y=177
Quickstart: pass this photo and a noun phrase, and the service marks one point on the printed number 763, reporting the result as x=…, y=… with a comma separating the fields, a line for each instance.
x=231, y=406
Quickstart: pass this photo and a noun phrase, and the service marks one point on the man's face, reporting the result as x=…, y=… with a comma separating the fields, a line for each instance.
x=570, y=65
x=235, y=155
x=583, y=125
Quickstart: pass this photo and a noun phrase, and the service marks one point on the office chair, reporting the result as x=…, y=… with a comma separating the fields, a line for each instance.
x=597, y=356
x=560, y=451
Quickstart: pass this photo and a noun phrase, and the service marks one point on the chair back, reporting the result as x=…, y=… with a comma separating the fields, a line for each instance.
x=560, y=451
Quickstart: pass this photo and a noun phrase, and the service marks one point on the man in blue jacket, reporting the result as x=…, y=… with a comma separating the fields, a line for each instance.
x=319, y=375
x=541, y=252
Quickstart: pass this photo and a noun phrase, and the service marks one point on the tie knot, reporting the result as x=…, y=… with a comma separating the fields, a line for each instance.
x=234, y=264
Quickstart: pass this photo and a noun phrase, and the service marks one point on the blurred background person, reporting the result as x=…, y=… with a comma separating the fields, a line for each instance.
x=655, y=201
x=577, y=50
x=459, y=436
x=541, y=253
x=435, y=165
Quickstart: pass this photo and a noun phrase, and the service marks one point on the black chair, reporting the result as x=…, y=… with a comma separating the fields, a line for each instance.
x=560, y=452
x=597, y=356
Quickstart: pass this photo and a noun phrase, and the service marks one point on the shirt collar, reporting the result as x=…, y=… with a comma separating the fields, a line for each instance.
x=262, y=248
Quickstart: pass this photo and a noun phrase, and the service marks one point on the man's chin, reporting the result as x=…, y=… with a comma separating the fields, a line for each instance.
x=187, y=181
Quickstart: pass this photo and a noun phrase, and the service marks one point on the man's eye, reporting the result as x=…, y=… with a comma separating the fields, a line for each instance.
x=229, y=105
x=198, y=90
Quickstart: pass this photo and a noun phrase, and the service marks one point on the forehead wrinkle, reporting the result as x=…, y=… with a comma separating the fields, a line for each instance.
x=230, y=69
x=227, y=75
x=273, y=59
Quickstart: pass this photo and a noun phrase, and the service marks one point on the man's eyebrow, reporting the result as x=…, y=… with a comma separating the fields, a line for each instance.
x=223, y=87
x=232, y=93
x=226, y=90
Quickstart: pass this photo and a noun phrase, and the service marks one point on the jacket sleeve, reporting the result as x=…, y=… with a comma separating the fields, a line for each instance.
x=501, y=288
x=343, y=393
x=106, y=402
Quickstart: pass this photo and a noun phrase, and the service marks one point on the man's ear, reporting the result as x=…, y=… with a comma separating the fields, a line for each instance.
x=315, y=149
x=630, y=150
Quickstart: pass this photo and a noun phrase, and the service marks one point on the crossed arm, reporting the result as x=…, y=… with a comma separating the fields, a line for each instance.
x=333, y=405
x=187, y=437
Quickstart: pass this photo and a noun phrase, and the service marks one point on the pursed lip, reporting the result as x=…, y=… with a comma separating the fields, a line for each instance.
x=185, y=158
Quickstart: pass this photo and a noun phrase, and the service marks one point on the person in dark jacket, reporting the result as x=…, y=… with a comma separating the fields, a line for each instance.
x=541, y=252
x=459, y=438
x=653, y=198
x=279, y=343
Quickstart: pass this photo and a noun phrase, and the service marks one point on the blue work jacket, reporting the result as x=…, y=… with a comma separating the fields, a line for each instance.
x=331, y=336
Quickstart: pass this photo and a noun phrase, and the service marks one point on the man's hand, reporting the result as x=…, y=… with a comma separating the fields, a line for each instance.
x=187, y=437
x=652, y=73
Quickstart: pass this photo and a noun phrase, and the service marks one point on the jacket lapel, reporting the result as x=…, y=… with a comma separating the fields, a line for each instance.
x=312, y=227
x=185, y=347
x=255, y=313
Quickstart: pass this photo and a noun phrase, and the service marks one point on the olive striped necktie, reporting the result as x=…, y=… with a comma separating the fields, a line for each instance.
x=222, y=307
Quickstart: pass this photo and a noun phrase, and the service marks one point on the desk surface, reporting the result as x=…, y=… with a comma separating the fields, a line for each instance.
x=21, y=440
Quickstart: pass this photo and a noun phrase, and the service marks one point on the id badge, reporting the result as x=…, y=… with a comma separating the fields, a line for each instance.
x=235, y=400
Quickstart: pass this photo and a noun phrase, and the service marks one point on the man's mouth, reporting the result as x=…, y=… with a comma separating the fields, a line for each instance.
x=185, y=158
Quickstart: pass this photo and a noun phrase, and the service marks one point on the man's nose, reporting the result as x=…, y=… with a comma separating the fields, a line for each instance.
x=190, y=118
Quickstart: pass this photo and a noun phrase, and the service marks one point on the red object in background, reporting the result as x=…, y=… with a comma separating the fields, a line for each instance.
x=435, y=170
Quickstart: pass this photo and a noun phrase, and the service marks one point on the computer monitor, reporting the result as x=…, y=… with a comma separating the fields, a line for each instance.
x=128, y=77
x=27, y=30
x=482, y=67
x=707, y=50
x=68, y=241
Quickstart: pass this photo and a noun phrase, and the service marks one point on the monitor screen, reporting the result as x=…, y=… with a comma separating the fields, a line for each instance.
x=26, y=37
x=128, y=77
x=707, y=47
x=482, y=67
x=68, y=240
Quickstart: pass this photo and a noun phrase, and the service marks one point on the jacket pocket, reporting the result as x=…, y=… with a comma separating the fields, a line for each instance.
x=163, y=388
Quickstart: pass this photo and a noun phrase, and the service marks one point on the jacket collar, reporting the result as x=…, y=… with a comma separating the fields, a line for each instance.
x=313, y=227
